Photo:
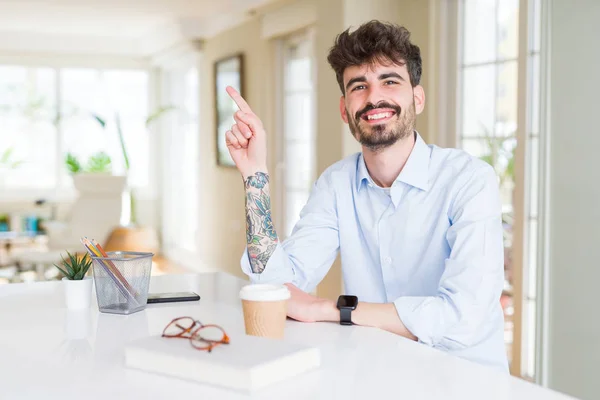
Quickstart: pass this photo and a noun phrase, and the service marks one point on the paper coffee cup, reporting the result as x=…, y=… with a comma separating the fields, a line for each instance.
x=265, y=309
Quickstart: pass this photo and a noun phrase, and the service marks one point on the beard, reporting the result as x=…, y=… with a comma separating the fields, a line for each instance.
x=380, y=136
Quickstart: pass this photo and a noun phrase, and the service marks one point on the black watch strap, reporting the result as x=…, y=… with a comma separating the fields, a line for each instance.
x=346, y=316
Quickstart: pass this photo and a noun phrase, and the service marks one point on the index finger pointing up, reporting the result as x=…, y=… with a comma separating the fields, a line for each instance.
x=239, y=100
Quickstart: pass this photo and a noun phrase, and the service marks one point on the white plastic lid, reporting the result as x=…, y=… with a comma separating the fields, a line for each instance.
x=264, y=292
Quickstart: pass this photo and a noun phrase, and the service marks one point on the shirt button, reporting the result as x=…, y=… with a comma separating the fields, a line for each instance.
x=387, y=260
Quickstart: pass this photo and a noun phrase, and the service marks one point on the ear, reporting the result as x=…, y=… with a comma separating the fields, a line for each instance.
x=419, y=96
x=343, y=109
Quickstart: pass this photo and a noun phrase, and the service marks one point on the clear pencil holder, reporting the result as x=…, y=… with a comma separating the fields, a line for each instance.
x=122, y=280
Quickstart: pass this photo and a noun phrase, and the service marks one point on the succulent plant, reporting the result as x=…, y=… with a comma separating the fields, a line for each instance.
x=75, y=269
x=99, y=162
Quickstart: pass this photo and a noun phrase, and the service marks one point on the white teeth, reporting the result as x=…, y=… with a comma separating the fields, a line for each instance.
x=379, y=116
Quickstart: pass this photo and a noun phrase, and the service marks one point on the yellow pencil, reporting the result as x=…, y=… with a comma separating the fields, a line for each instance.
x=109, y=265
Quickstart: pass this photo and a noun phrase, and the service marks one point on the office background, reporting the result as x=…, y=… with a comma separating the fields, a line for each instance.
x=511, y=81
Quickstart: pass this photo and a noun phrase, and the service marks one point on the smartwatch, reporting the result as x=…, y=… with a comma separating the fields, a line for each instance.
x=346, y=304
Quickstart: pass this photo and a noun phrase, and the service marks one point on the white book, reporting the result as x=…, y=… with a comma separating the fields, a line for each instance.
x=247, y=363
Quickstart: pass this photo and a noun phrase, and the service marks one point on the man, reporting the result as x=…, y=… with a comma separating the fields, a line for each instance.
x=418, y=227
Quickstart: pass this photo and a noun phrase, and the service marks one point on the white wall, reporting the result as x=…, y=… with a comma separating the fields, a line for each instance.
x=574, y=315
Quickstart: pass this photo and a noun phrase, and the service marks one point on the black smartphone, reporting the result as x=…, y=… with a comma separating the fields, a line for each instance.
x=172, y=297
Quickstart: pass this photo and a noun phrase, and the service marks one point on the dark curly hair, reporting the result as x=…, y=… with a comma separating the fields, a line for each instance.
x=375, y=42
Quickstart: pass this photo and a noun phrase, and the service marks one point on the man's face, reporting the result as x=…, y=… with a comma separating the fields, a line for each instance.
x=380, y=104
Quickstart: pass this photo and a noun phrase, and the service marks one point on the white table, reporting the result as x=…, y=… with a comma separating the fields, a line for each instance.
x=49, y=352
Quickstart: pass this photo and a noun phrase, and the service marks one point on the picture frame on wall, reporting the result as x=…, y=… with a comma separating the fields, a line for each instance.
x=229, y=71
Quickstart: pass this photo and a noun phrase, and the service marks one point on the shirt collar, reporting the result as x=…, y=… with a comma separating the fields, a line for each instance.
x=415, y=171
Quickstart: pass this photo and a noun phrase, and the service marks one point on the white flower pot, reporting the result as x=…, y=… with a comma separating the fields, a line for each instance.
x=87, y=183
x=78, y=294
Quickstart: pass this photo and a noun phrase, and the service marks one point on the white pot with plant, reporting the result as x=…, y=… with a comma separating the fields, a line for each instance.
x=150, y=119
x=78, y=287
x=96, y=176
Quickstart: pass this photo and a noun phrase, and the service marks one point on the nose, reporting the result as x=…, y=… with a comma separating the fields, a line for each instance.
x=374, y=95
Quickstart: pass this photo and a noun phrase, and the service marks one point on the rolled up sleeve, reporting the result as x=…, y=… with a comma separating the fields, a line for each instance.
x=469, y=290
x=306, y=256
x=277, y=270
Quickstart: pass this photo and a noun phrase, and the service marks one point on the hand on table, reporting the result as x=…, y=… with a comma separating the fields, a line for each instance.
x=305, y=307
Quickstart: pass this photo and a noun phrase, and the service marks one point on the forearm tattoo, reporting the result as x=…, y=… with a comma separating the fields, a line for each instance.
x=260, y=232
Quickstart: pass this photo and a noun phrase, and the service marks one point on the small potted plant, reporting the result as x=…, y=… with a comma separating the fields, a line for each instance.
x=78, y=288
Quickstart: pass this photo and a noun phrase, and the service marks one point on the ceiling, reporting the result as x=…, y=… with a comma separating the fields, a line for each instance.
x=116, y=20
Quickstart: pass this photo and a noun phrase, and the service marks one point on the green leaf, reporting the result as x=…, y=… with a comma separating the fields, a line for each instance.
x=159, y=113
x=86, y=268
x=72, y=164
x=99, y=162
x=74, y=263
x=75, y=268
x=86, y=263
x=510, y=168
x=6, y=158
x=122, y=141
x=6, y=155
x=62, y=270
x=488, y=159
x=82, y=271
x=100, y=120
x=133, y=207
x=70, y=271
x=256, y=240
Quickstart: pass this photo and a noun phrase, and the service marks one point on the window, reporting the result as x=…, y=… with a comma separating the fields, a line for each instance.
x=530, y=272
x=107, y=94
x=28, y=129
x=46, y=113
x=487, y=128
x=179, y=147
x=297, y=150
x=488, y=106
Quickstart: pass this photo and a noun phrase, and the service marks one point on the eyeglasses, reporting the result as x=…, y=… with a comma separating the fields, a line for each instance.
x=201, y=337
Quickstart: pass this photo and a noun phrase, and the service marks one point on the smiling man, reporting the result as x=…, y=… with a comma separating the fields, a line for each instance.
x=418, y=227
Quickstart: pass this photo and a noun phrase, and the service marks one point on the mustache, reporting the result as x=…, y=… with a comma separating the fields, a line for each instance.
x=381, y=104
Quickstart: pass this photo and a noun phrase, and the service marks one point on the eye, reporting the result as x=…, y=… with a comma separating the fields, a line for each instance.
x=391, y=83
x=359, y=87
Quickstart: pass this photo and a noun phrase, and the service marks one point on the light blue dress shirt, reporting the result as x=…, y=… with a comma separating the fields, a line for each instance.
x=432, y=245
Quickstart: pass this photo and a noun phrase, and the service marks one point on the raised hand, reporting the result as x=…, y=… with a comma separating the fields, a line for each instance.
x=246, y=141
x=247, y=144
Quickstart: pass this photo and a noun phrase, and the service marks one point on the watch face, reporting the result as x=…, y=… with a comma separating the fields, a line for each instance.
x=347, y=302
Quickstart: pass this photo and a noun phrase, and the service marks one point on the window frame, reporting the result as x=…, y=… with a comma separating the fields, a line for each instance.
x=184, y=256
x=60, y=192
x=449, y=89
x=282, y=188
